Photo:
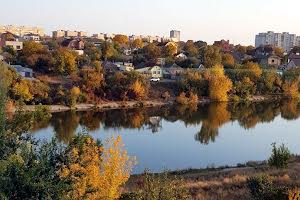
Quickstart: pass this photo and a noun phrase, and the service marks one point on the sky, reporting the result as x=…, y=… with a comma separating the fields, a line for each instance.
x=207, y=20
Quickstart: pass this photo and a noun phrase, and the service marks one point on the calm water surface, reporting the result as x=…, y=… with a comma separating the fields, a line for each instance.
x=180, y=137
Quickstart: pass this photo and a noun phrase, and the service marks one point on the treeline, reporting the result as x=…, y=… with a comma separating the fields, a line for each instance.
x=241, y=83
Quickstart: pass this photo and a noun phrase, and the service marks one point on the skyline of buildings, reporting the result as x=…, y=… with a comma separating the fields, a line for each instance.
x=284, y=40
x=22, y=30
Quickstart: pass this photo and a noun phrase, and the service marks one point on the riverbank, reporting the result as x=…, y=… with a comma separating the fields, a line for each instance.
x=228, y=182
x=111, y=105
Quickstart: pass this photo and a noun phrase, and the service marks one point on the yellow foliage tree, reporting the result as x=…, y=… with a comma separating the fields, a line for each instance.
x=22, y=90
x=115, y=168
x=95, y=172
x=290, y=89
x=139, y=90
x=74, y=93
x=219, y=84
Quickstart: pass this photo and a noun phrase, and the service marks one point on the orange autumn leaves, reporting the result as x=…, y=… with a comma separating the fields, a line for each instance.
x=95, y=172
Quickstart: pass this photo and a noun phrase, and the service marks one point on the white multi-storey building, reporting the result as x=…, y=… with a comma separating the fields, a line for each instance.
x=284, y=40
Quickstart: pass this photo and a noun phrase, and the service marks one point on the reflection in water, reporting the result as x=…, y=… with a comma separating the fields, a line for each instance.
x=208, y=117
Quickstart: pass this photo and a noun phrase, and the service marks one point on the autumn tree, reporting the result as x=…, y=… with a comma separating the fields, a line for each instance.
x=278, y=51
x=219, y=84
x=94, y=172
x=21, y=90
x=138, y=90
x=121, y=39
x=73, y=96
x=65, y=61
x=245, y=88
x=152, y=51
x=228, y=60
x=290, y=89
x=93, y=52
x=137, y=43
x=170, y=50
x=191, y=48
x=92, y=80
x=212, y=56
x=109, y=51
x=35, y=55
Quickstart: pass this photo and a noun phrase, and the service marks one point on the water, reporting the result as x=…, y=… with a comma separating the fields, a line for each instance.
x=179, y=138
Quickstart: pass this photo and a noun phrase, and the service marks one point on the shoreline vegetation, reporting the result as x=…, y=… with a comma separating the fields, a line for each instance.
x=228, y=182
x=111, y=105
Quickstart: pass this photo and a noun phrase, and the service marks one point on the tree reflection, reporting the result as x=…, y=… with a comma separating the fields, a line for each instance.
x=209, y=118
x=217, y=116
x=290, y=109
x=65, y=125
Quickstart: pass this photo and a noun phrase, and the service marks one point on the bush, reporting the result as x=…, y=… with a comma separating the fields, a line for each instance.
x=280, y=157
x=156, y=187
x=262, y=188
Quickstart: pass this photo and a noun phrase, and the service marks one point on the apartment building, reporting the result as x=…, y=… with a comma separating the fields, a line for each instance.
x=175, y=35
x=21, y=30
x=284, y=40
x=67, y=33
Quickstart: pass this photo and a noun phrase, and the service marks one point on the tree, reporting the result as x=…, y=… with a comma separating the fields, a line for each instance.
x=170, y=50
x=94, y=172
x=139, y=90
x=109, y=51
x=241, y=49
x=228, y=60
x=121, y=39
x=152, y=51
x=219, y=84
x=212, y=56
x=65, y=61
x=252, y=70
x=191, y=48
x=73, y=96
x=278, y=51
x=137, y=43
x=21, y=90
x=93, y=52
x=290, y=89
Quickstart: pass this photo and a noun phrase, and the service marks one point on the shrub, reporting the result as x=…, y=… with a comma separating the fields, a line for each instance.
x=161, y=186
x=262, y=188
x=280, y=157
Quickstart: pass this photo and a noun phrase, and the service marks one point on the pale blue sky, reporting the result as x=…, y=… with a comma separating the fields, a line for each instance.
x=209, y=20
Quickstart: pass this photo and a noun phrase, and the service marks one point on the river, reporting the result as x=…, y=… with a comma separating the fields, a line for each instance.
x=176, y=138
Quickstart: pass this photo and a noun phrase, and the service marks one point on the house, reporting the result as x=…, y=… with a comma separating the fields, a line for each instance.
x=124, y=66
x=174, y=72
x=23, y=71
x=270, y=61
x=10, y=40
x=32, y=37
x=152, y=72
x=181, y=56
x=75, y=44
x=293, y=61
x=224, y=45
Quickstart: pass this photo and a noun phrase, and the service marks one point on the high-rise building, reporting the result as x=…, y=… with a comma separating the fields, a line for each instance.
x=284, y=40
x=175, y=35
